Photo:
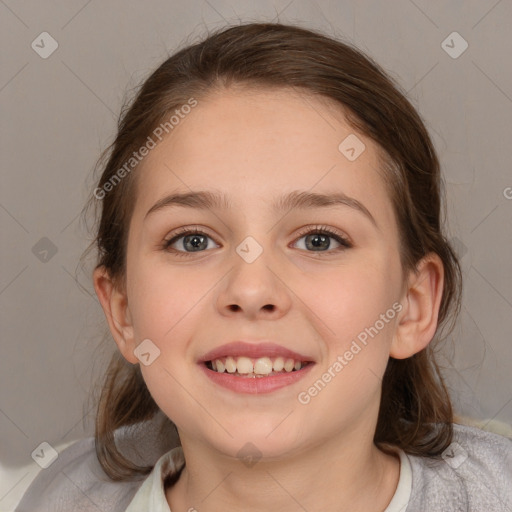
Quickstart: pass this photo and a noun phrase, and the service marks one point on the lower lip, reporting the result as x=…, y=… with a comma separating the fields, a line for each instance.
x=256, y=385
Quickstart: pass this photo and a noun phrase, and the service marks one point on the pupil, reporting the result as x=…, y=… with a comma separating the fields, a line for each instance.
x=197, y=242
x=317, y=240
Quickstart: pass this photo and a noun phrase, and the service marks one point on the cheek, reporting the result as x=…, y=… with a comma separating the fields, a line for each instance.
x=356, y=297
x=361, y=319
x=163, y=301
x=359, y=311
x=167, y=308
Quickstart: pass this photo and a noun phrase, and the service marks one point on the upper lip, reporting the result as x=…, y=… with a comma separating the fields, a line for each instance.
x=254, y=350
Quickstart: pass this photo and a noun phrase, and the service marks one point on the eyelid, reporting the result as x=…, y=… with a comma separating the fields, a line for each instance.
x=184, y=231
x=343, y=241
x=332, y=232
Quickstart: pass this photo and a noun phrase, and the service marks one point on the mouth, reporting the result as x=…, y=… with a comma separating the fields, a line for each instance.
x=246, y=367
x=254, y=368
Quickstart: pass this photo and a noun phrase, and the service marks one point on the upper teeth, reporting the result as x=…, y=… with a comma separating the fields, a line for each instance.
x=260, y=366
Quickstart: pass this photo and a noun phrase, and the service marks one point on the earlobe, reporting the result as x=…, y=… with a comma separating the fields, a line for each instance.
x=115, y=306
x=417, y=323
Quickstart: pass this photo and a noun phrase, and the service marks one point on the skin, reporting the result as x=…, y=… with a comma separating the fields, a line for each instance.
x=255, y=146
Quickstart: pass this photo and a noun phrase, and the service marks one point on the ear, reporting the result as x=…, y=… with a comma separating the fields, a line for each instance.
x=417, y=323
x=115, y=306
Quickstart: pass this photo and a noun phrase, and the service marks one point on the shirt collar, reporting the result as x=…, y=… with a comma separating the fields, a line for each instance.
x=151, y=494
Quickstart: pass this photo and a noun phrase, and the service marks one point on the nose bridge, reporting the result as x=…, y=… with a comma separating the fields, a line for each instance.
x=253, y=286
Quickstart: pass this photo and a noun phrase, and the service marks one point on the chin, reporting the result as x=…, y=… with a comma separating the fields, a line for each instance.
x=257, y=445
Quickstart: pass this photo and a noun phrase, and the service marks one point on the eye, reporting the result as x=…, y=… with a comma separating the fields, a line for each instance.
x=188, y=240
x=318, y=239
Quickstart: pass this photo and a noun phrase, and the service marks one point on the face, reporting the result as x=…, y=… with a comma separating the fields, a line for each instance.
x=314, y=282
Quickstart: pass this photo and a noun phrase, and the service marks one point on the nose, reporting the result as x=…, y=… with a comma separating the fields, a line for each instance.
x=256, y=290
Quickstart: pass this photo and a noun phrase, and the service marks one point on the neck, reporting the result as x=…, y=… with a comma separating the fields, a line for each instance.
x=357, y=477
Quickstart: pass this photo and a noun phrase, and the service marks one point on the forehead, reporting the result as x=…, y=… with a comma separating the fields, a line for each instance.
x=258, y=144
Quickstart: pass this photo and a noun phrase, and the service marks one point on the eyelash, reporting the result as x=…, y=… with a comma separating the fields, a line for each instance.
x=321, y=230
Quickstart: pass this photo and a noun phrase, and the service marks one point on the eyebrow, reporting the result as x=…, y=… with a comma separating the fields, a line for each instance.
x=205, y=200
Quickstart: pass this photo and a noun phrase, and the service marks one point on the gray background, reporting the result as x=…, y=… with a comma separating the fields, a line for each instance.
x=59, y=113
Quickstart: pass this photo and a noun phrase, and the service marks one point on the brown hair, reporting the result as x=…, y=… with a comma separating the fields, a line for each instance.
x=415, y=411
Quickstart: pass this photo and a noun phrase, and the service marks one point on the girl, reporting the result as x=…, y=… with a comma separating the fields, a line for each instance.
x=273, y=270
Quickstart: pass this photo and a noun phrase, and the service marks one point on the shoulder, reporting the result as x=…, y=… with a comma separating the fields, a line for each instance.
x=473, y=474
x=76, y=481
